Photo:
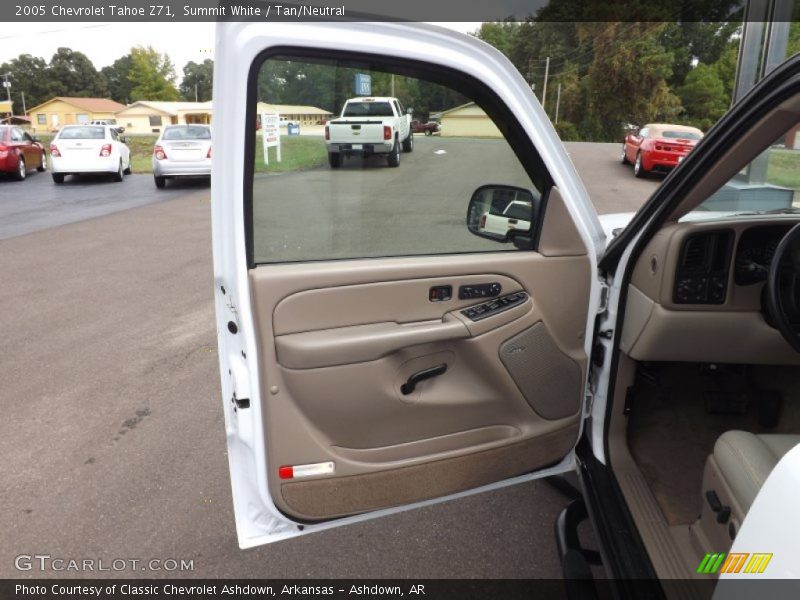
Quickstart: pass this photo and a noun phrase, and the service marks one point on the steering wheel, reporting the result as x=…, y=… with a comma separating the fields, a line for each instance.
x=783, y=287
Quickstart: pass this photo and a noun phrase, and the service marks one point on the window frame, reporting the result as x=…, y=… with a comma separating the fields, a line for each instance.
x=465, y=84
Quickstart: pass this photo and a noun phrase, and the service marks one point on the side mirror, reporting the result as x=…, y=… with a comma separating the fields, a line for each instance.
x=503, y=213
x=409, y=111
x=120, y=130
x=35, y=138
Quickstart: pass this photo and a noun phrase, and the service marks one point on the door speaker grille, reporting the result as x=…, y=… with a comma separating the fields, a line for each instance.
x=549, y=379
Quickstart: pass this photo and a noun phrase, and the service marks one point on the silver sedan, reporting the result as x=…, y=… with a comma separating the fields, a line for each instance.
x=182, y=151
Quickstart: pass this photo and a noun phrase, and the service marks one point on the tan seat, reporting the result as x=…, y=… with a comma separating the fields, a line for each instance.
x=745, y=460
x=733, y=476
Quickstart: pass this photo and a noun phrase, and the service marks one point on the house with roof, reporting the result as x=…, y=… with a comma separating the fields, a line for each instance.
x=65, y=110
x=468, y=120
x=305, y=115
x=151, y=116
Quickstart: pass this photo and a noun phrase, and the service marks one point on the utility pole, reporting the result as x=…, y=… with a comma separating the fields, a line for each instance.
x=24, y=110
x=7, y=85
x=544, y=89
x=195, y=92
x=392, y=92
x=558, y=101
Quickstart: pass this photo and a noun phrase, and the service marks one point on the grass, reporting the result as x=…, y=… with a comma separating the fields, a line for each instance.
x=297, y=153
x=784, y=168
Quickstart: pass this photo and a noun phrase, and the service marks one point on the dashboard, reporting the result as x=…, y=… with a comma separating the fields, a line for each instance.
x=697, y=293
x=706, y=257
x=754, y=253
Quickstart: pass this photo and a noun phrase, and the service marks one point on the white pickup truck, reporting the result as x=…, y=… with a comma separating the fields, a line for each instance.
x=367, y=126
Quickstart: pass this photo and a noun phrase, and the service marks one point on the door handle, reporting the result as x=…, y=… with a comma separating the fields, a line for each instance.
x=415, y=378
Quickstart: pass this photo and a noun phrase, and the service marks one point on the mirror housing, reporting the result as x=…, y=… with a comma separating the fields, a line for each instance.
x=409, y=110
x=120, y=130
x=503, y=213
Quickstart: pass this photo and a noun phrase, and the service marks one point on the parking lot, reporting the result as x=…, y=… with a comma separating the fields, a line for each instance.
x=113, y=438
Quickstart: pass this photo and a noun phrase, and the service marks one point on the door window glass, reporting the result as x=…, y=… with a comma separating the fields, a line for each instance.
x=360, y=186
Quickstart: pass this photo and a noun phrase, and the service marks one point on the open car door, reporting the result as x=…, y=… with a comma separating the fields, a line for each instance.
x=411, y=318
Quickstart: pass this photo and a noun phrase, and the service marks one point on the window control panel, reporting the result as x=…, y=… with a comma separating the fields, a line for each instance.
x=493, y=307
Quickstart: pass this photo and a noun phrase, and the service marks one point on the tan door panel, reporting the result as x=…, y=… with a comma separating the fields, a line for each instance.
x=397, y=301
x=339, y=339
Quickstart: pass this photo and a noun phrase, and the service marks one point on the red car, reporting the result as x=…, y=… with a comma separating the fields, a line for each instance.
x=20, y=152
x=658, y=147
x=428, y=128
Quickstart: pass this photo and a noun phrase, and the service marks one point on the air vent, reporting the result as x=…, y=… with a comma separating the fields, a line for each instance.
x=702, y=276
x=695, y=253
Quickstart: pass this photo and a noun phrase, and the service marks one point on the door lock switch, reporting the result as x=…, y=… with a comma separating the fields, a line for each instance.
x=481, y=290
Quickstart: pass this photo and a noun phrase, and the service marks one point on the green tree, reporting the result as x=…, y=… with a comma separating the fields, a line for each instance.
x=151, y=75
x=502, y=35
x=197, y=81
x=695, y=41
x=627, y=80
x=726, y=67
x=703, y=96
x=27, y=75
x=117, y=78
x=71, y=73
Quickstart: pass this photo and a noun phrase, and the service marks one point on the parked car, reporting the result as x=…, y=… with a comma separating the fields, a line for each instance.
x=658, y=147
x=182, y=151
x=367, y=126
x=428, y=128
x=85, y=149
x=19, y=152
x=354, y=388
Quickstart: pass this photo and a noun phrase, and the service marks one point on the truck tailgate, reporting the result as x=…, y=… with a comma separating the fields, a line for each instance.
x=356, y=132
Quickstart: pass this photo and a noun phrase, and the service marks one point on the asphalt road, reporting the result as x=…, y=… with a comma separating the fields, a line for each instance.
x=37, y=203
x=113, y=439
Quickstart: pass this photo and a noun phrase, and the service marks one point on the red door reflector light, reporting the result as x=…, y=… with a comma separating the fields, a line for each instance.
x=297, y=471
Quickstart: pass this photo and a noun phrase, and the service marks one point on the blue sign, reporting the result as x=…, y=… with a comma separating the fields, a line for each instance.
x=363, y=85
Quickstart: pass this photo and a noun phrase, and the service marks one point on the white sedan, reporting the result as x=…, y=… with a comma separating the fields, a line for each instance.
x=84, y=149
x=182, y=151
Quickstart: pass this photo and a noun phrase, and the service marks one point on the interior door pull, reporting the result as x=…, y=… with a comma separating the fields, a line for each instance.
x=415, y=378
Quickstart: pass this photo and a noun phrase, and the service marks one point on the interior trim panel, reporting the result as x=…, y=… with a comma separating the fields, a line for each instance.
x=687, y=301
x=378, y=368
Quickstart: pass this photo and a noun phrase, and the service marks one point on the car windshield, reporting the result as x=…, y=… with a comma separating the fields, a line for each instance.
x=685, y=135
x=368, y=109
x=187, y=133
x=769, y=183
x=82, y=133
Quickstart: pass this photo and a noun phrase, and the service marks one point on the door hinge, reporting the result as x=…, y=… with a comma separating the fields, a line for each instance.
x=603, y=304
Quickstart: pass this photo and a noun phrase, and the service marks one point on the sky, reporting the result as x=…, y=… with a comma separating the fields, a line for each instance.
x=104, y=43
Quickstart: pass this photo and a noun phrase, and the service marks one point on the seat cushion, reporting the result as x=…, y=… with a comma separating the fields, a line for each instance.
x=746, y=460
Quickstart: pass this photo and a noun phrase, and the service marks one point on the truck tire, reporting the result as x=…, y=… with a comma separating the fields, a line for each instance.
x=335, y=160
x=394, y=155
x=408, y=143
